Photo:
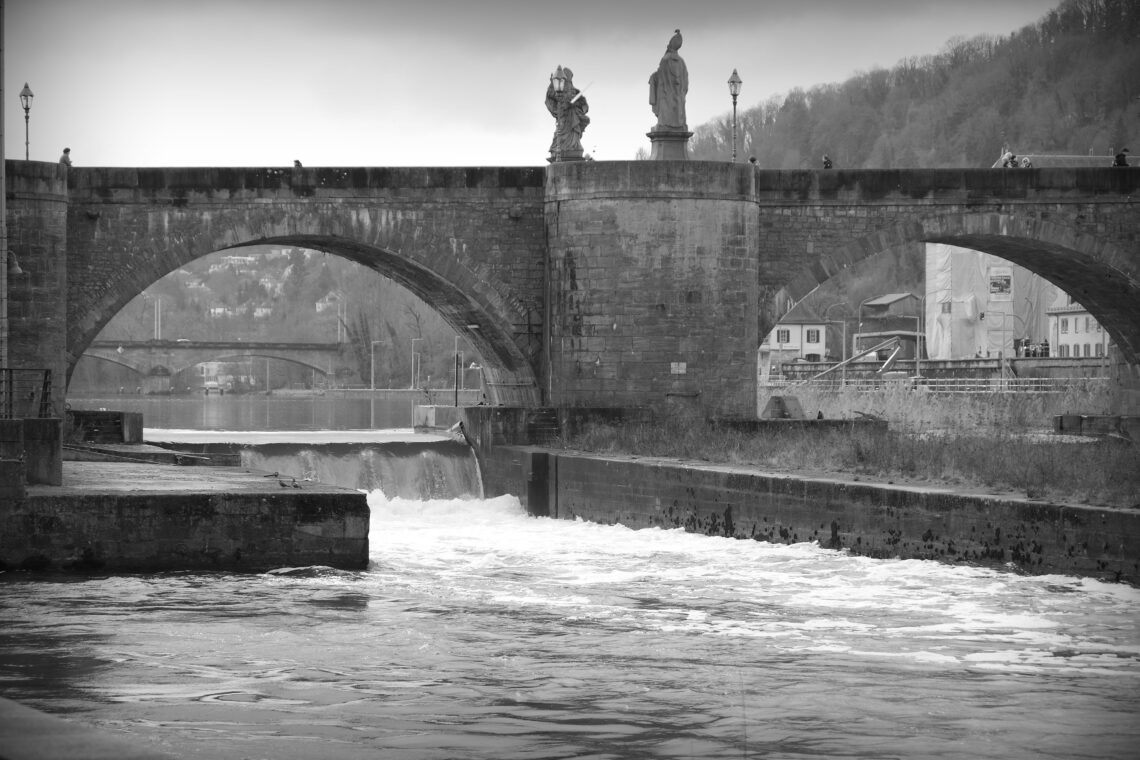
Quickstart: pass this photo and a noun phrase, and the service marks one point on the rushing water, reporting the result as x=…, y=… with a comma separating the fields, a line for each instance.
x=479, y=632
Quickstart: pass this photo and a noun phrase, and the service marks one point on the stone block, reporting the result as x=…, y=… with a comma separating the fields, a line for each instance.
x=12, y=480
x=1068, y=424
x=1098, y=424
x=132, y=427
x=782, y=408
x=43, y=448
x=11, y=438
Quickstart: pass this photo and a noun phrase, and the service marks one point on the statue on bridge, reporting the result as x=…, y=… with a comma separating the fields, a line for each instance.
x=668, y=87
x=568, y=107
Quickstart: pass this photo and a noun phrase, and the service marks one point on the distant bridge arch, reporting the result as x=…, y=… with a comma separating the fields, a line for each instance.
x=178, y=356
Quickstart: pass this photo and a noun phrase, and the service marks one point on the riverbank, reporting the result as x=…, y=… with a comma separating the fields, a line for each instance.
x=1098, y=471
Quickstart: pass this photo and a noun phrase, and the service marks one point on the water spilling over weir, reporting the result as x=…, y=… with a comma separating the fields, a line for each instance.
x=417, y=467
x=406, y=470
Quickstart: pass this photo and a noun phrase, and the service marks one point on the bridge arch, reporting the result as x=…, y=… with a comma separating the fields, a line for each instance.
x=1098, y=274
x=111, y=359
x=254, y=354
x=459, y=258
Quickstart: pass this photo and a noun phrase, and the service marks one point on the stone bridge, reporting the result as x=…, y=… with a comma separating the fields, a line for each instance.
x=588, y=283
x=175, y=356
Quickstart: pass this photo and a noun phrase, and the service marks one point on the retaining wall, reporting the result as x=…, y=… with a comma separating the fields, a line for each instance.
x=149, y=532
x=882, y=521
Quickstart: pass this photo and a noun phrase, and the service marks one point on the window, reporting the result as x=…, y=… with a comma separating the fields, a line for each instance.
x=1100, y=349
x=783, y=335
x=1087, y=325
x=1088, y=350
x=1064, y=324
x=945, y=307
x=1063, y=350
x=812, y=336
x=1098, y=327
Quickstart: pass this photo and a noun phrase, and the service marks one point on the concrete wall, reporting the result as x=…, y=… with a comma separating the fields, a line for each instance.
x=147, y=532
x=864, y=519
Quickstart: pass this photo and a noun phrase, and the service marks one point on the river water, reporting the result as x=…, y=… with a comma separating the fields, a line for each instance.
x=480, y=632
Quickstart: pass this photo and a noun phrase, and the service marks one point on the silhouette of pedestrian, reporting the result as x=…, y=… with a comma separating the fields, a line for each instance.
x=296, y=164
x=826, y=162
x=1121, y=158
x=65, y=159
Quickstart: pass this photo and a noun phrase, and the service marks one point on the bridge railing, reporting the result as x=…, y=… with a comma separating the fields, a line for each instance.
x=946, y=384
x=25, y=393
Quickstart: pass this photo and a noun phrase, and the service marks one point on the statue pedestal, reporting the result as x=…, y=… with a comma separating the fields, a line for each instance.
x=566, y=155
x=669, y=145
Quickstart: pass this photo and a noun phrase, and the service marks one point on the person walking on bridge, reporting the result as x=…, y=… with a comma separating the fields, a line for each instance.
x=65, y=159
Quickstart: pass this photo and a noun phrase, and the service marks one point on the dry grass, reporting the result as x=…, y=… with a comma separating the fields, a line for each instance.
x=993, y=445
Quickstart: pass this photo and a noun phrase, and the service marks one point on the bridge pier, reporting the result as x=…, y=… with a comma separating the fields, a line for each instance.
x=652, y=289
x=37, y=299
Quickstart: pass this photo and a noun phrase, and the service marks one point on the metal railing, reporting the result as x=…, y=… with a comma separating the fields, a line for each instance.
x=945, y=384
x=25, y=393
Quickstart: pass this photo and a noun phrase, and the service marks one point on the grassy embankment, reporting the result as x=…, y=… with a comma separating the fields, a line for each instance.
x=997, y=443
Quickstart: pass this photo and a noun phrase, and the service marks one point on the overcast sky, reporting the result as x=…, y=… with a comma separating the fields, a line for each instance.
x=422, y=82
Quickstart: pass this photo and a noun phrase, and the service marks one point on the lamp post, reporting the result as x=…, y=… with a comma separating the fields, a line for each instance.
x=734, y=83
x=479, y=368
x=558, y=82
x=157, y=314
x=855, y=339
x=826, y=313
x=26, y=96
x=372, y=384
x=455, y=359
x=843, y=324
x=372, y=351
x=415, y=374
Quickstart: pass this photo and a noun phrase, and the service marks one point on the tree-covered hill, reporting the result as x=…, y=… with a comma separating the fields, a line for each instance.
x=1068, y=84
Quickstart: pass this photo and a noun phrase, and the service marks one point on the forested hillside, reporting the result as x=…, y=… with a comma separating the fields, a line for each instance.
x=1068, y=84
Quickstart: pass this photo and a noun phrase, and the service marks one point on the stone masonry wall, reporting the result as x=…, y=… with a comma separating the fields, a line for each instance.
x=652, y=285
x=865, y=519
x=470, y=242
x=140, y=532
x=37, y=299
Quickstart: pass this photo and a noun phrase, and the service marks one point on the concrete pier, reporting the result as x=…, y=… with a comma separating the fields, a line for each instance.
x=143, y=517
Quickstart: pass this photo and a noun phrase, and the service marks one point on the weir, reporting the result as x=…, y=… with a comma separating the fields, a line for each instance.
x=417, y=469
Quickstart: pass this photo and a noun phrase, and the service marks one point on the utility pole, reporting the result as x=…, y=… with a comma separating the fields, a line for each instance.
x=3, y=214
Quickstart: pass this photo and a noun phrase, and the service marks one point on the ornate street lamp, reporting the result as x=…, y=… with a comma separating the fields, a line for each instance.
x=26, y=96
x=734, y=83
x=558, y=86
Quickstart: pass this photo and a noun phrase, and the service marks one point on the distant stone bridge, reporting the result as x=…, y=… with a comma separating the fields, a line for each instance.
x=176, y=356
x=587, y=283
